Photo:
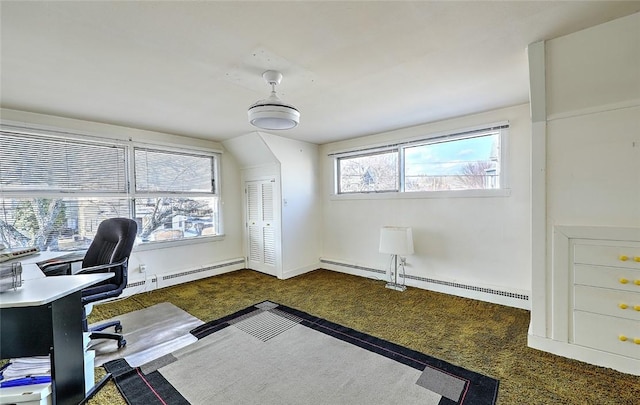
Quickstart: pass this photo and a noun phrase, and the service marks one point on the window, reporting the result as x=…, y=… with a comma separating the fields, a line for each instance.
x=174, y=194
x=468, y=160
x=373, y=172
x=55, y=190
x=458, y=164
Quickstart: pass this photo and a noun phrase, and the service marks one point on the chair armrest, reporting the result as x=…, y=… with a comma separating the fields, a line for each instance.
x=56, y=262
x=60, y=265
x=103, y=268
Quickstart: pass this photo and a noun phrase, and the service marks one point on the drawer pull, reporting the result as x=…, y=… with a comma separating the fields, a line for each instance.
x=636, y=341
x=636, y=259
x=623, y=280
x=622, y=338
x=623, y=258
x=623, y=306
x=636, y=282
x=636, y=307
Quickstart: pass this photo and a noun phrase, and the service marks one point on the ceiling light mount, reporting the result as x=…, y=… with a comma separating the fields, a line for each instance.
x=272, y=113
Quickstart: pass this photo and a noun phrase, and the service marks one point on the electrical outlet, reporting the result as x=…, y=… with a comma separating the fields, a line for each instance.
x=142, y=268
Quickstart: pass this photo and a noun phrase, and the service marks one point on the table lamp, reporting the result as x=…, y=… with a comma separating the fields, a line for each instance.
x=396, y=241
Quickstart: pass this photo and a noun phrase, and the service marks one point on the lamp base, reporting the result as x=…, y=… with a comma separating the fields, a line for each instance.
x=395, y=286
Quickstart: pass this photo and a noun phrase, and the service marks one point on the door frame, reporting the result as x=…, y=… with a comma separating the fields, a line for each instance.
x=247, y=177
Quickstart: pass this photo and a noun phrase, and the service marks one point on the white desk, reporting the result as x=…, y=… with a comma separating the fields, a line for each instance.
x=44, y=317
x=43, y=290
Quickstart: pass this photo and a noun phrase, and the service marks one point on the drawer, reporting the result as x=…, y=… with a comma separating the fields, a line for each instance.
x=618, y=254
x=608, y=277
x=607, y=302
x=607, y=333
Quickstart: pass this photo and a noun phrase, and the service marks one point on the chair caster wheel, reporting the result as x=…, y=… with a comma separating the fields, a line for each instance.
x=122, y=343
x=118, y=328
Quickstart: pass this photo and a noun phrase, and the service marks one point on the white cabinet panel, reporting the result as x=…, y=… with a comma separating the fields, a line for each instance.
x=608, y=277
x=607, y=333
x=607, y=302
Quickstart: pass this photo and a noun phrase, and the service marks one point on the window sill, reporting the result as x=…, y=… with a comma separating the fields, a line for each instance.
x=145, y=246
x=494, y=193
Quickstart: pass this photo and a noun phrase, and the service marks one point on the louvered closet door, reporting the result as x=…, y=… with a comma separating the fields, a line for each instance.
x=261, y=229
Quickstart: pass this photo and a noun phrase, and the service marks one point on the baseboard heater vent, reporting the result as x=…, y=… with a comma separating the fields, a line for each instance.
x=200, y=270
x=353, y=266
x=469, y=287
x=136, y=284
x=434, y=281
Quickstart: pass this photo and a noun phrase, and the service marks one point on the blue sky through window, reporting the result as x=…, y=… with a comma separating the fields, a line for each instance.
x=448, y=158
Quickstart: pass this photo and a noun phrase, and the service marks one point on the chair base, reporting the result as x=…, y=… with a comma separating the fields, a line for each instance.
x=106, y=335
x=116, y=324
x=96, y=332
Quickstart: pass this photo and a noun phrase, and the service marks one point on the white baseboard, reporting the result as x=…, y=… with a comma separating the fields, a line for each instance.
x=599, y=358
x=300, y=270
x=493, y=294
x=155, y=281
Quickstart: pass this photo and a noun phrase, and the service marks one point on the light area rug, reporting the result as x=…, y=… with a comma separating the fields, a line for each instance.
x=150, y=333
x=272, y=354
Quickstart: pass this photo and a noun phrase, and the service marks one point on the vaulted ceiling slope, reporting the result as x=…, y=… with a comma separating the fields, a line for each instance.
x=351, y=68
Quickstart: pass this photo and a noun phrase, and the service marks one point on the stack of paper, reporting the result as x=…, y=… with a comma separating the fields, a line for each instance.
x=26, y=370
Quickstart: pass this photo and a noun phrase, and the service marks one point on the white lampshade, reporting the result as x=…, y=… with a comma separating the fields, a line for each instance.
x=396, y=240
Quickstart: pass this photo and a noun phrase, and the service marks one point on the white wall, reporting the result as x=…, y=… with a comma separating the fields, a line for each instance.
x=590, y=95
x=301, y=203
x=475, y=241
x=294, y=165
x=179, y=256
x=593, y=126
x=587, y=112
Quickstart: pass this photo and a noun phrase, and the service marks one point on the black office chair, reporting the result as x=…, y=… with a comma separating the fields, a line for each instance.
x=109, y=252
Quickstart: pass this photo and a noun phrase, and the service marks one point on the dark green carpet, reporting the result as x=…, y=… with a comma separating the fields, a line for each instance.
x=483, y=337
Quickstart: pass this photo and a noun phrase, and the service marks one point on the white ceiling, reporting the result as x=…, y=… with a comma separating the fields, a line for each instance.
x=351, y=68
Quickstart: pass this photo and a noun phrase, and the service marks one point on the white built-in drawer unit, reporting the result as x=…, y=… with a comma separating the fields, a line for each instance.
x=606, y=296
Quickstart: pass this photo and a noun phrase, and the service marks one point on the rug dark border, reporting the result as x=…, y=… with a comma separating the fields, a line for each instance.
x=153, y=388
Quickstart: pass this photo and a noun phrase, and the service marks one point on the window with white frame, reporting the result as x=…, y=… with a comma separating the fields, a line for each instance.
x=55, y=190
x=368, y=172
x=466, y=160
x=175, y=194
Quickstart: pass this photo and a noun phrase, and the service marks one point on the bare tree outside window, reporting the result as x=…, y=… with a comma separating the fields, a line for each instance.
x=57, y=190
x=369, y=173
x=465, y=161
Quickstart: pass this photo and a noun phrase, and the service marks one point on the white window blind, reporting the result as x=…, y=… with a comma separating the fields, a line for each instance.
x=173, y=172
x=30, y=163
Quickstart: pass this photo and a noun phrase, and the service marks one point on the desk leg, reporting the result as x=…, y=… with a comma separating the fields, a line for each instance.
x=67, y=354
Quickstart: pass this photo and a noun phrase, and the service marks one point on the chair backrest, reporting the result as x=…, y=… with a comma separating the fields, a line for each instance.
x=113, y=243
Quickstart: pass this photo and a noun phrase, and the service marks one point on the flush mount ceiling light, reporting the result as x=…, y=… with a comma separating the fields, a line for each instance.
x=272, y=113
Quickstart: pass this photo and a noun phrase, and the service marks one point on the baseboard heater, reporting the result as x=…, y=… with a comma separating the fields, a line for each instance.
x=200, y=270
x=152, y=281
x=485, y=290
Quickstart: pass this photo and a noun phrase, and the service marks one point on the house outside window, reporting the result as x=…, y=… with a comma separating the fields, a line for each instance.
x=372, y=172
x=55, y=190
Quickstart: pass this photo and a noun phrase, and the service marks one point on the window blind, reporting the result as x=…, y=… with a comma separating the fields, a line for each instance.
x=39, y=163
x=173, y=172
